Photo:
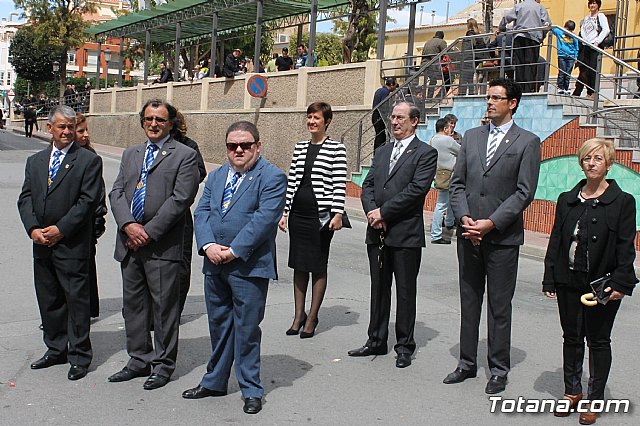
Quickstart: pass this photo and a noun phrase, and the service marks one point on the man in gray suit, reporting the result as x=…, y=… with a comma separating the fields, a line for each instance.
x=494, y=180
x=155, y=187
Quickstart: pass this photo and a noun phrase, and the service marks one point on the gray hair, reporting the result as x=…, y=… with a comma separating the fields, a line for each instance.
x=63, y=111
x=414, y=111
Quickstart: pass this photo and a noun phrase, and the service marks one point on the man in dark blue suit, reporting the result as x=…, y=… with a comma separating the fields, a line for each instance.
x=235, y=224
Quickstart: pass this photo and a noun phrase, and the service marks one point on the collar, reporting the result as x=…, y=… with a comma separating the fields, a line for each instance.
x=232, y=171
x=405, y=142
x=64, y=151
x=607, y=197
x=158, y=144
x=503, y=129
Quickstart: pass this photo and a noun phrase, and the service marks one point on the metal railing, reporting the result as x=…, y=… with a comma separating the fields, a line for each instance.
x=78, y=101
x=471, y=61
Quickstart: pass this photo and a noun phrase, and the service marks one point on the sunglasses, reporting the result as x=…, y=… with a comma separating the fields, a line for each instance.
x=159, y=120
x=233, y=146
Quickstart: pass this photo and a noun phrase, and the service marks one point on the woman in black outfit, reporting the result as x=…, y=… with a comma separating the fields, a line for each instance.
x=593, y=235
x=82, y=139
x=315, y=193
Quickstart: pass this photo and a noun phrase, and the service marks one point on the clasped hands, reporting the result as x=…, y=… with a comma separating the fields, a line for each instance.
x=476, y=229
x=138, y=237
x=375, y=220
x=49, y=236
x=218, y=254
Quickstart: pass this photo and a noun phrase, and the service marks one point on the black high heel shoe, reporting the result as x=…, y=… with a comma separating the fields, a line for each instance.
x=305, y=335
x=292, y=331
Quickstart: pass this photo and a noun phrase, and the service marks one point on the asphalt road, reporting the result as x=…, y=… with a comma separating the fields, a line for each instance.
x=307, y=381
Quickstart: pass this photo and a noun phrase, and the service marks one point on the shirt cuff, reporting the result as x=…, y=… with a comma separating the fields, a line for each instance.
x=206, y=246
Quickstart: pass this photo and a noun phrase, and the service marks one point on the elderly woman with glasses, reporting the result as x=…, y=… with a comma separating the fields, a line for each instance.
x=592, y=238
x=313, y=211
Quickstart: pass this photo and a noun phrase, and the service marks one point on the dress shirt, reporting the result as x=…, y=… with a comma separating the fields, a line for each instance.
x=503, y=131
x=63, y=153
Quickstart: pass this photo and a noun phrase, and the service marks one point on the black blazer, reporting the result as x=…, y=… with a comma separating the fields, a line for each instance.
x=610, y=234
x=69, y=204
x=400, y=195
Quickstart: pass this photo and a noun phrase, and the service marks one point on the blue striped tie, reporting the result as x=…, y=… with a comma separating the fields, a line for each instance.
x=137, y=205
x=493, y=144
x=229, y=190
x=55, y=166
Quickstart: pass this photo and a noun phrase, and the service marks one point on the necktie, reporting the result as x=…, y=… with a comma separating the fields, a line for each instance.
x=493, y=144
x=395, y=155
x=55, y=166
x=229, y=190
x=137, y=205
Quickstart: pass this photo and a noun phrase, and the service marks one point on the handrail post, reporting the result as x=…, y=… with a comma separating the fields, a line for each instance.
x=547, y=65
x=596, y=85
x=502, y=55
x=359, y=148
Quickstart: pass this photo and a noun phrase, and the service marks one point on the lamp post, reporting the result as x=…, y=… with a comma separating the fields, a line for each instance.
x=107, y=59
x=56, y=69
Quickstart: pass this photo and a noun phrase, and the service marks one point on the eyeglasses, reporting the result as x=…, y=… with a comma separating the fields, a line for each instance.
x=233, y=146
x=159, y=120
x=495, y=98
x=597, y=159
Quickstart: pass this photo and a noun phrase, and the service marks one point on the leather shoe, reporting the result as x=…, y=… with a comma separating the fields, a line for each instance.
x=403, y=360
x=496, y=384
x=77, y=372
x=127, y=374
x=587, y=418
x=155, y=381
x=47, y=361
x=459, y=375
x=367, y=351
x=440, y=241
x=573, y=403
x=201, y=392
x=252, y=405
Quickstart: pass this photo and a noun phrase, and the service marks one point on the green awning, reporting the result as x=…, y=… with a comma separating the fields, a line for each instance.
x=195, y=17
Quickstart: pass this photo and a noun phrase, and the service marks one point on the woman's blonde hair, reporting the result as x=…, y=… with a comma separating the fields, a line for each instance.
x=594, y=144
x=81, y=119
x=472, y=25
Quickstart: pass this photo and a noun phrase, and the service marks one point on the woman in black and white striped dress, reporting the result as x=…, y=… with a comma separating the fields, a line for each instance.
x=316, y=190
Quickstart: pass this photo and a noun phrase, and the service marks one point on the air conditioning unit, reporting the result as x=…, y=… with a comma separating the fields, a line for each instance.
x=283, y=38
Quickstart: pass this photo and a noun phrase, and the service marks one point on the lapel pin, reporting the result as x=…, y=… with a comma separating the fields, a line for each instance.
x=250, y=177
x=66, y=166
x=507, y=141
x=164, y=152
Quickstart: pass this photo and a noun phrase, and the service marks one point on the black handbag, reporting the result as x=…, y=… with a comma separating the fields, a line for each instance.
x=597, y=292
x=325, y=217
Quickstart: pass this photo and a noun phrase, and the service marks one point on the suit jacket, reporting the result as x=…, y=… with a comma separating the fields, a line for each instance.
x=172, y=184
x=69, y=203
x=400, y=195
x=250, y=223
x=501, y=191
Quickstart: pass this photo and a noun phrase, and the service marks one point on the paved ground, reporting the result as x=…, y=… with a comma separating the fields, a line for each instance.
x=307, y=381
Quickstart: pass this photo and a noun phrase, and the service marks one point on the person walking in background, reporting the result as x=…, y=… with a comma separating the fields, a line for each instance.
x=284, y=62
x=525, y=16
x=313, y=211
x=567, y=54
x=453, y=121
x=150, y=199
x=594, y=28
x=99, y=222
x=393, y=196
x=59, y=196
x=30, y=119
x=592, y=238
x=448, y=150
x=494, y=180
x=179, y=133
x=430, y=51
x=380, y=111
x=472, y=54
x=236, y=222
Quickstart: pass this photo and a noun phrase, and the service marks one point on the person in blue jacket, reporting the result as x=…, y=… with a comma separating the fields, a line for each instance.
x=567, y=54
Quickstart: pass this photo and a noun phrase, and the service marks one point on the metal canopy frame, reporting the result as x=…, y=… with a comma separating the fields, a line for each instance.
x=195, y=17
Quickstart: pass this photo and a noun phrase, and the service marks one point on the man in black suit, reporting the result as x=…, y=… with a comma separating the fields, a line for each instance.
x=393, y=196
x=494, y=180
x=151, y=195
x=60, y=193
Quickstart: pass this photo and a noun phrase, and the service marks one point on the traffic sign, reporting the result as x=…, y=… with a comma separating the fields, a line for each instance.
x=11, y=96
x=257, y=86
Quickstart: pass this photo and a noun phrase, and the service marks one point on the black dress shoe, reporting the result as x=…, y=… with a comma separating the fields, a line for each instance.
x=294, y=331
x=459, y=375
x=77, y=372
x=440, y=241
x=127, y=374
x=367, y=351
x=404, y=360
x=155, y=381
x=252, y=405
x=308, y=335
x=496, y=384
x=47, y=361
x=201, y=392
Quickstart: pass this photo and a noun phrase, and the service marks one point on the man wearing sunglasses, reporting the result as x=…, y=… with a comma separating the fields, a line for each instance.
x=494, y=180
x=156, y=185
x=236, y=222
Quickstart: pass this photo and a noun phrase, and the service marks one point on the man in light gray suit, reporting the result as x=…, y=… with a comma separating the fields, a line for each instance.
x=155, y=187
x=494, y=180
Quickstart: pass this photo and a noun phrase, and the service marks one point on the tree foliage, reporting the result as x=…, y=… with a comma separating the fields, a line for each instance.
x=57, y=26
x=328, y=48
x=359, y=32
x=30, y=62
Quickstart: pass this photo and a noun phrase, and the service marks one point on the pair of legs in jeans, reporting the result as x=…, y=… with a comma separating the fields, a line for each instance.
x=565, y=64
x=442, y=205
